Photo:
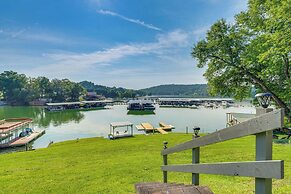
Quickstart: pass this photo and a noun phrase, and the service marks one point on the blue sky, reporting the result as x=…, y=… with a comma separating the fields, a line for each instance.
x=128, y=43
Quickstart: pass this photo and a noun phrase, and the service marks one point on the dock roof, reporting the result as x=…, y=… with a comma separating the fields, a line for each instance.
x=63, y=103
x=78, y=103
x=7, y=125
x=140, y=102
x=121, y=124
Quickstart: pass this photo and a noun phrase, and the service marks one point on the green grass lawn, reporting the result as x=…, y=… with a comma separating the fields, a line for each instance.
x=98, y=165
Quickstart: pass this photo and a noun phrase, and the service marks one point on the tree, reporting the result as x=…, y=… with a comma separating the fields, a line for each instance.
x=43, y=85
x=76, y=91
x=253, y=51
x=13, y=87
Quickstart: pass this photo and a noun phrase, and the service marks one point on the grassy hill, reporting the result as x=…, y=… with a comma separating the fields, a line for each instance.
x=194, y=90
x=98, y=165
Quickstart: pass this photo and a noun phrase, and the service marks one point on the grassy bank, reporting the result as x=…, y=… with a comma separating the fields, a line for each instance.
x=97, y=165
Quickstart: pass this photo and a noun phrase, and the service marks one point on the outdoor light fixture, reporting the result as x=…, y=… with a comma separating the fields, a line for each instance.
x=264, y=99
x=196, y=131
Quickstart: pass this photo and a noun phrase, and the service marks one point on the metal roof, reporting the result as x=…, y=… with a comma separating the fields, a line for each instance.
x=121, y=124
x=63, y=103
x=78, y=103
x=140, y=102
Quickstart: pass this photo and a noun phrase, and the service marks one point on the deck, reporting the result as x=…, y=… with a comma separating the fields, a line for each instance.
x=161, y=130
x=147, y=127
x=166, y=127
x=23, y=140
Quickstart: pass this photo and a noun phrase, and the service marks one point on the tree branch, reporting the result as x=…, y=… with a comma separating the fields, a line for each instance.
x=257, y=81
x=286, y=62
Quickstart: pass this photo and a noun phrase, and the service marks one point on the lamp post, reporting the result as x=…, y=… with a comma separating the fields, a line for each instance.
x=263, y=143
x=196, y=131
x=264, y=99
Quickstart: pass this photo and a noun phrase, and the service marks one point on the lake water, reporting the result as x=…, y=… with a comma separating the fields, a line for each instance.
x=73, y=124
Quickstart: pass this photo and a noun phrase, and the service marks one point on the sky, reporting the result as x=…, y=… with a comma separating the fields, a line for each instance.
x=123, y=43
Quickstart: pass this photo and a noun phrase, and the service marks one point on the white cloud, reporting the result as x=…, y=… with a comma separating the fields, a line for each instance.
x=136, y=21
x=73, y=62
x=28, y=34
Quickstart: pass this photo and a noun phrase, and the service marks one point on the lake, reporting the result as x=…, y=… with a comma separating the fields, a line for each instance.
x=73, y=124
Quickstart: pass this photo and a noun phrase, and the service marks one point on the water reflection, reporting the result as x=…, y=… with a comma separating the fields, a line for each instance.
x=73, y=124
x=42, y=118
x=58, y=118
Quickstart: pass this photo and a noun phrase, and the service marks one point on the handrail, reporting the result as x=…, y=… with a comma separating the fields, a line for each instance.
x=263, y=123
x=263, y=169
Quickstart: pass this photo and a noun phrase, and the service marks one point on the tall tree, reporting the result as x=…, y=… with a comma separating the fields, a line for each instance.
x=44, y=87
x=14, y=87
x=253, y=51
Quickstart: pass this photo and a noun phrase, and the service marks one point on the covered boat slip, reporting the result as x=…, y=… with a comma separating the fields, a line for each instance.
x=22, y=141
x=77, y=105
x=115, y=134
x=141, y=105
x=17, y=132
x=9, y=125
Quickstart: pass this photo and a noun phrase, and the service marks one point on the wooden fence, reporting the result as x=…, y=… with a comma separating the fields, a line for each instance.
x=263, y=169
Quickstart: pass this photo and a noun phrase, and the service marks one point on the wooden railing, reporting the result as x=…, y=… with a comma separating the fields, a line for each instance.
x=263, y=169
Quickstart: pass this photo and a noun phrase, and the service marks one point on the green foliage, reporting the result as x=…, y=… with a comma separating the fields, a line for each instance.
x=20, y=89
x=14, y=87
x=252, y=51
x=195, y=90
x=281, y=141
x=111, y=92
x=98, y=165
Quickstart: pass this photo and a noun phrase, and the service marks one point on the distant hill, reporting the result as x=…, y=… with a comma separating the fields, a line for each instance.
x=194, y=90
x=111, y=92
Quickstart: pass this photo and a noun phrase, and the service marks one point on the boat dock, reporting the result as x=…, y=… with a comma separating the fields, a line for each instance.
x=148, y=128
x=16, y=132
x=9, y=125
x=161, y=130
x=77, y=105
x=141, y=105
x=22, y=141
x=193, y=102
x=166, y=127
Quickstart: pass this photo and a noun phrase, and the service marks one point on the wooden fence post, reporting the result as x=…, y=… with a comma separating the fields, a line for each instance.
x=165, y=159
x=263, y=152
x=195, y=160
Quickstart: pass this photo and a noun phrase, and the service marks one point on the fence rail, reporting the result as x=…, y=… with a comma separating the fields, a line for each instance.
x=260, y=169
x=265, y=122
x=264, y=169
